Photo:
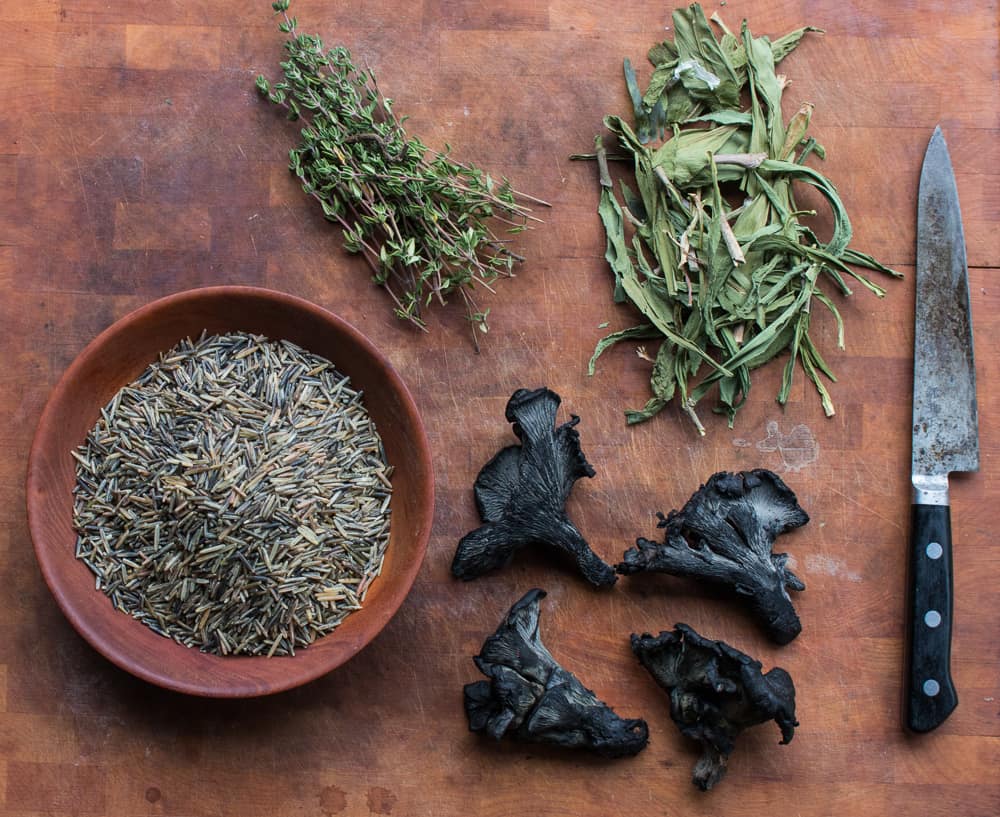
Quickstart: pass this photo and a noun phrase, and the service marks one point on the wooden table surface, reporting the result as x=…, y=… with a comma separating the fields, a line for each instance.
x=136, y=160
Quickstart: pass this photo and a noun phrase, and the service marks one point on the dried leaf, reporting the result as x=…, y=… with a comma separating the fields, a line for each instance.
x=710, y=248
x=642, y=332
x=703, y=68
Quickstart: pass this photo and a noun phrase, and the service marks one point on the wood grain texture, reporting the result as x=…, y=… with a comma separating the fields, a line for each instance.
x=136, y=161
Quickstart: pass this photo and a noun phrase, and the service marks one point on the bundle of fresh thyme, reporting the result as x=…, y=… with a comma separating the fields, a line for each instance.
x=725, y=287
x=419, y=218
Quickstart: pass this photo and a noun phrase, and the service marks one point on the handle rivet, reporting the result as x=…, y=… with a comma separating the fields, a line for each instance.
x=934, y=550
x=931, y=687
x=932, y=618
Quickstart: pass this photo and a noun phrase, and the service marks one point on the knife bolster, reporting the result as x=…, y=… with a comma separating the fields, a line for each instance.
x=930, y=490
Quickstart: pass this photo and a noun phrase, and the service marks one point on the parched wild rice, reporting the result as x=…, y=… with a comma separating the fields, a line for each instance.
x=235, y=497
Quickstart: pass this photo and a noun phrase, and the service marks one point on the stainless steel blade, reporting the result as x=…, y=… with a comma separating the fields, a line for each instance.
x=945, y=414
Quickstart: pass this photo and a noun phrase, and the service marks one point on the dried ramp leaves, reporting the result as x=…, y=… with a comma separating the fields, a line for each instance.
x=726, y=287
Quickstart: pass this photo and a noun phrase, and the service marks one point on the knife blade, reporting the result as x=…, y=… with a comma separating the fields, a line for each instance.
x=945, y=434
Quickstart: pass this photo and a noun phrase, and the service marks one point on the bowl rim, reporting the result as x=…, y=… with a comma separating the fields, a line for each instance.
x=48, y=559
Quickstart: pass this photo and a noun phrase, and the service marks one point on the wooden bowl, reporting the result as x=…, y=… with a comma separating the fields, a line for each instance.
x=116, y=357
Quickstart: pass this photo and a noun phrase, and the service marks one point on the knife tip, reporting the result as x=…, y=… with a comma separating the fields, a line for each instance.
x=937, y=144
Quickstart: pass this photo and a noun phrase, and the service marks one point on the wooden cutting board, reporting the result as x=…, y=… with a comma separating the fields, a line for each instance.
x=136, y=161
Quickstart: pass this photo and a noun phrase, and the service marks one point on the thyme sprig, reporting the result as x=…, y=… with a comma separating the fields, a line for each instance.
x=423, y=221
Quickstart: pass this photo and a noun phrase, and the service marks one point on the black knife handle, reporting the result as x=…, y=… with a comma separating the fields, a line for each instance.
x=930, y=692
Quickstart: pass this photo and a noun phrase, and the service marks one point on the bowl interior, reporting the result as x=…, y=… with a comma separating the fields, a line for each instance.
x=119, y=355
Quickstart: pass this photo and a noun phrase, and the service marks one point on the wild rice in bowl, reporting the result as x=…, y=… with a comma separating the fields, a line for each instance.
x=235, y=497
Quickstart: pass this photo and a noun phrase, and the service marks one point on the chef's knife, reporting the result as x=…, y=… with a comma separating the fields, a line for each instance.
x=945, y=434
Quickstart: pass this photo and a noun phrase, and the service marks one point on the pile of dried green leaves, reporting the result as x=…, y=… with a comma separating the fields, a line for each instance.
x=726, y=287
x=420, y=219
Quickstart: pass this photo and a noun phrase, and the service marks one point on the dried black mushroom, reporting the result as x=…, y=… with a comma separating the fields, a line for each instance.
x=530, y=697
x=521, y=493
x=724, y=534
x=716, y=692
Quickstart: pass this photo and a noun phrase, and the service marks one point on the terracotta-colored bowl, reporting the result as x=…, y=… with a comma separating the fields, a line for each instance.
x=115, y=358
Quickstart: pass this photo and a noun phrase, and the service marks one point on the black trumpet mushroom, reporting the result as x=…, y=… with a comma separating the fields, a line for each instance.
x=521, y=493
x=724, y=534
x=530, y=697
x=716, y=692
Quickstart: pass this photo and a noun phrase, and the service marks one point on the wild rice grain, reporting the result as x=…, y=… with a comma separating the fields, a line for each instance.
x=204, y=493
